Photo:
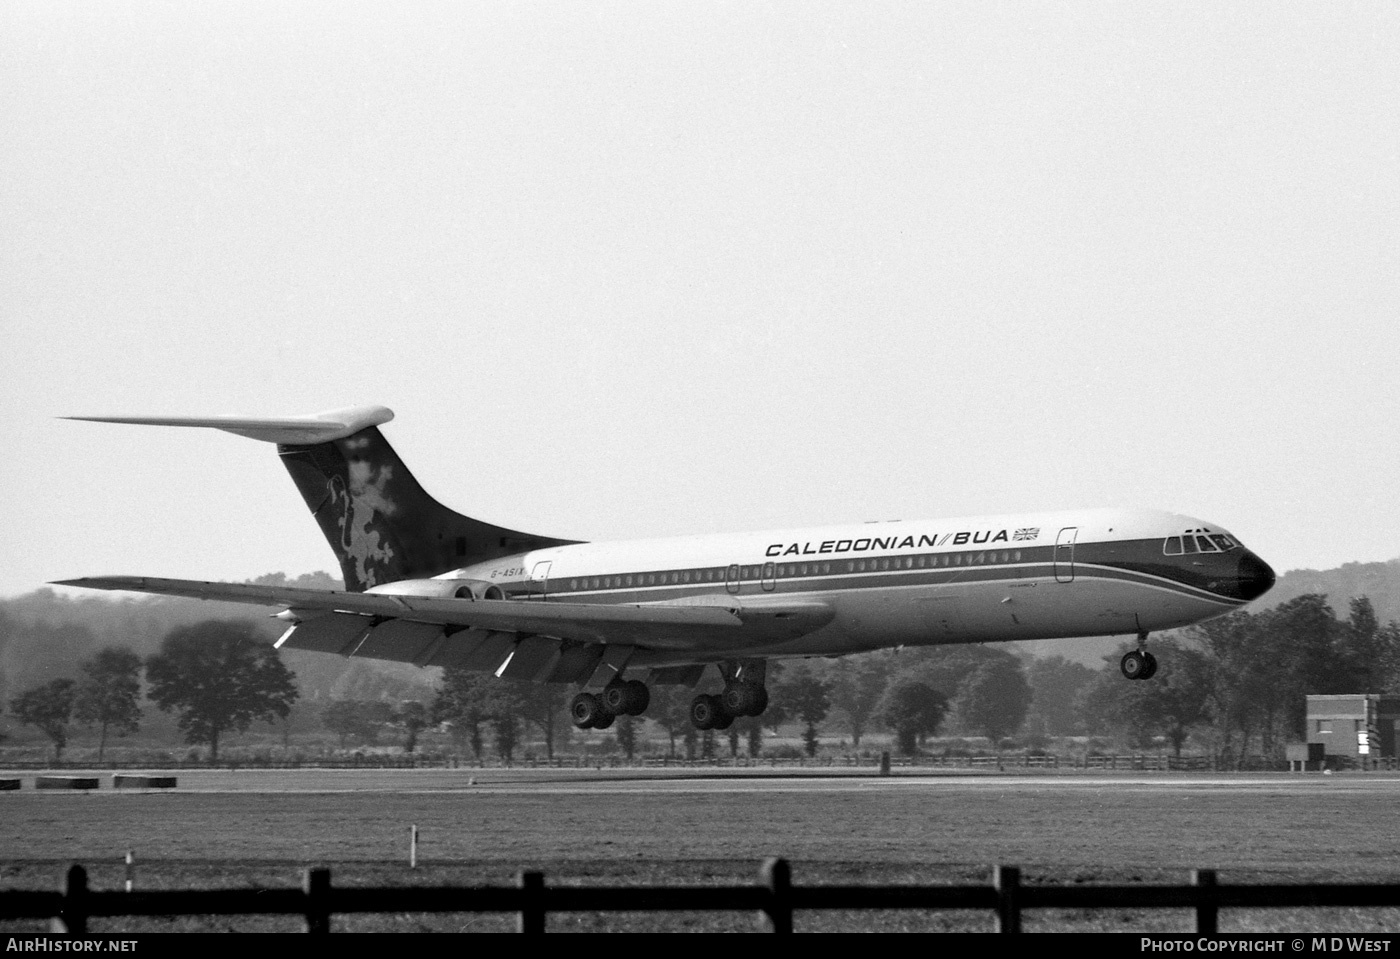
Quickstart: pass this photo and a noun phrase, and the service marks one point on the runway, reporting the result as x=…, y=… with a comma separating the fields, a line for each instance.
x=729, y=780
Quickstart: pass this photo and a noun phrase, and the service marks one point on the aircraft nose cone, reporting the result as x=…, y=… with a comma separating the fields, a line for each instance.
x=1254, y=576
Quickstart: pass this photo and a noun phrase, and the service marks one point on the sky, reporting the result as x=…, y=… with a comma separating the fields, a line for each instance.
x=626, y=269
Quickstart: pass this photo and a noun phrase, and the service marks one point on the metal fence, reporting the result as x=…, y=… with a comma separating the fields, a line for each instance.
x=773, y=899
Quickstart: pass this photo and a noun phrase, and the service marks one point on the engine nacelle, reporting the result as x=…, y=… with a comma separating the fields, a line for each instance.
x=441, y=588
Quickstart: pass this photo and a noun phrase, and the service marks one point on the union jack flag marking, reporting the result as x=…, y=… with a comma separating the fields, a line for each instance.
x=1029, y=533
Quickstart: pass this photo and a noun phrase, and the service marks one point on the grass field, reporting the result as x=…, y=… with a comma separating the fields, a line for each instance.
x=251, y=829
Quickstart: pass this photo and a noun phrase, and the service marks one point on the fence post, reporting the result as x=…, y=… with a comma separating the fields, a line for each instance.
x=775, y=875
x=1207, y=910
x=316, y=883
x=1007, y=880
x=130, y=870
x=72, y=917
x=885, y=763
x=412, y=847
x=532, y=916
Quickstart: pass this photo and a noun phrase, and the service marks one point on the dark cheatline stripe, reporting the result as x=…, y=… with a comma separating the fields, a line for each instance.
x=1140, y=562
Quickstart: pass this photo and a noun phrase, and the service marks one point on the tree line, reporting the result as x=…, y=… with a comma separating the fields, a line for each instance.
x=1235, y=686
x=216, y=676
x=1238, y=684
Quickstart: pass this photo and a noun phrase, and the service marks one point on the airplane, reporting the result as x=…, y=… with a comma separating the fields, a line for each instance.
x=430, y=586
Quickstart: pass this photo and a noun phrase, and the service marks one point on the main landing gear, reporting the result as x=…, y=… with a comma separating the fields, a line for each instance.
x=1139, y=663
x=719, y=712
x=618, y=698
x=744, y=694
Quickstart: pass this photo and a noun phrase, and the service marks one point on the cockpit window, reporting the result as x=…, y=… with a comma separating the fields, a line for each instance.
x=1198, y=541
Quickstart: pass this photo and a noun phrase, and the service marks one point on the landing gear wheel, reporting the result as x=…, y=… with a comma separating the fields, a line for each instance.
x=1150, y=669
x=586, y=710
x=761, y=702
x=631, y=697
x=1134, y=665
x=639, y=696
x=724, y=721
x=706, y=712
x=744, y=699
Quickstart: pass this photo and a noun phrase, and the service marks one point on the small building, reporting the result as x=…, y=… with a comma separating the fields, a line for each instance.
x=1362, y=727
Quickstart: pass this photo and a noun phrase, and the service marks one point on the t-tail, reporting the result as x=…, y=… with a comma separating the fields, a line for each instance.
x=382, y=525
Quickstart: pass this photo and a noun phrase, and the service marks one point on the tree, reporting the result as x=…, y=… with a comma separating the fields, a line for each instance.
x=357, y=720
x=413, y=717
x=626, y=732
x=1264, y=667
x=219, y=677
x=946, y=667
x=33, y=650
x=1260, y=669
x=1390, y=669
x=912, y=709
x=707, y=744
x=670, y=709
x=506, y=704
x=541, y=704
x=1056, y=684
x=808, y=698
x=995, y=698
x=49, y=708
x=1241, y=672
x=1305, y=632
x=464, y=701
x=751, y=728
x=1365, y=648
x=109, y=693
x=856, y=687
x=1170, y=704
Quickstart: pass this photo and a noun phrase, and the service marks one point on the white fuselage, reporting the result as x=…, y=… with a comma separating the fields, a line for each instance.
x=970, y=579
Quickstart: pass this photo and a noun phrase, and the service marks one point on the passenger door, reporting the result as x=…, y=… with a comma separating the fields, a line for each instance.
x=539, y=581
x=1064, y=554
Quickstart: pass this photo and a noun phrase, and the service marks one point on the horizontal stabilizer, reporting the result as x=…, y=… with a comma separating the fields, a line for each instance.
x=290, y=431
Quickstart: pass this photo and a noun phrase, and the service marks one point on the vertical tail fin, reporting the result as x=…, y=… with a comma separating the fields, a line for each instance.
x=381, y=524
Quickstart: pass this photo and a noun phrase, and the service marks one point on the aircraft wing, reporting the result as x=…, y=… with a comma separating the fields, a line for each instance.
x=550, y=638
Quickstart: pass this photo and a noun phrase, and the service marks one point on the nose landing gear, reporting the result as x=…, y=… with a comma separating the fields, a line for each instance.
x=1139, y=663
